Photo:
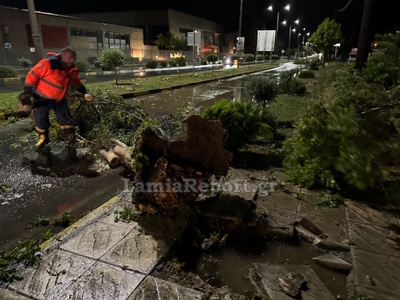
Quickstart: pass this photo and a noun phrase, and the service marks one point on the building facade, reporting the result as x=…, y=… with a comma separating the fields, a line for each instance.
x=155, y=22
x=57, y=31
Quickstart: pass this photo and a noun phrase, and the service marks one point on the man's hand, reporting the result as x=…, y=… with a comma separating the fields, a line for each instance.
x=25, y=108
x=25, y=99
x=88, y=97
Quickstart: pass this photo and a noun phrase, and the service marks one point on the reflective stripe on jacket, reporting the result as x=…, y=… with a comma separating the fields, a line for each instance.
x=50, y=79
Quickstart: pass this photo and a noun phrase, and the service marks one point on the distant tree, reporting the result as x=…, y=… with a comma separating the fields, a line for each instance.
x=327, y=34
x=179, y=43
x=212, y=58
x=166, y=41
x=262, y=89
x=112, y=58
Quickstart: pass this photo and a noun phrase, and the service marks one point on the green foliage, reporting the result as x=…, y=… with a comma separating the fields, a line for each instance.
x=297, y=87
x=172, y=63
x=327, y=34
x=163, y=64
x=165, y=41
x=383, y=66
x=6, y=72
x=261, y=88
x=40, y=221
x=151, y=64
x=314, y=64
x=307, y=74
x=259, y=57
x=275, y=57
x=234, y=57
x=25, y=62
x=4, y=188
x=212, y=58
x=330, y=200
x=355, y=295
x=180, y=61
x=204, y=62
x=127, y=214
x=353, y=141
x=82, y=66
x=25, y=253
x=242, y=121
x=112, y=58
x=300, y=61
x=64, y=220
x=249, y=58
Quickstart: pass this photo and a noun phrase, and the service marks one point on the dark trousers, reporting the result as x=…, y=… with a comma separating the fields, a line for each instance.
x=42, y=109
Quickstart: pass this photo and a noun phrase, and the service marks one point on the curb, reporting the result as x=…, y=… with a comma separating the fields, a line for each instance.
x=90, y=217
x=10, y=81
x=141, y=93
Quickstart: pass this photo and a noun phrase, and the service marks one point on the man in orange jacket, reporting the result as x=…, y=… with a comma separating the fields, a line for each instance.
x=48, y=83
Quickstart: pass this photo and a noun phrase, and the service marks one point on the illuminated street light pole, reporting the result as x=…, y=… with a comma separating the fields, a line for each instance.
x=270, y=8
x=290, y=33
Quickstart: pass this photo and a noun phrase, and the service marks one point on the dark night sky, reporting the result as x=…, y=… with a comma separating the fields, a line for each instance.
x=255, y=15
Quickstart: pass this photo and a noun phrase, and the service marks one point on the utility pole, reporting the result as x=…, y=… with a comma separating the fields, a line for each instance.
x=37, y=41
x=366, y=35
x=276, y=34
x=240, y=18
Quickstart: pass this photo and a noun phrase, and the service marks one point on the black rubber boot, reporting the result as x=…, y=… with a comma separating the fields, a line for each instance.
x=70, y=137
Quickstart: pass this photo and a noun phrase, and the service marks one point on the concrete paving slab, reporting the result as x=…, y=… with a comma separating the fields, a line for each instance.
x=138, y=251
x=265, y=278
x=109, y=217
x=55, y=272
x=377, y=295
x=104, y=282
x=154, y=288
x=376, y=272
x=333, y=262
x=309, y=205
x=330, y=227
x=363, y=213
x=281, y=217
x=11, y=295
x=95, y=240
x=278, y=200
x=374, y=239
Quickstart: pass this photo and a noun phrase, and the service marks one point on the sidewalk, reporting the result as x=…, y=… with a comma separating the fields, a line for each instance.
x=98, y=258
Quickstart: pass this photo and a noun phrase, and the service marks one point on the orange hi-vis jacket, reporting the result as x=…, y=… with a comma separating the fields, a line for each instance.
x=50, y=80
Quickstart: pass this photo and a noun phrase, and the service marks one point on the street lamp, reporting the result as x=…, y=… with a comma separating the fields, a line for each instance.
x=270, y=8
x=290, y=32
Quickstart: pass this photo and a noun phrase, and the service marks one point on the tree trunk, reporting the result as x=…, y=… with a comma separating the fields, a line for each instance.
x=116, y=77
x=365, y=37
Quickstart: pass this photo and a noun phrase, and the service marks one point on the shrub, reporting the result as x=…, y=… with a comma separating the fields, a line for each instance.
x=314, y=64
x=297, y=87
x=275, y=57
x=349, y=143
x=307, y=74
x=25, y=62
x=6, y=72
x=163, y=64
x=151, y=64
x=204, y=62
x=234, y=57
x=180, y=61
x=259, y=57
x=172, y=63
x=242, y=121
x=299, y=61
x=212, y=58
x=82, y=66
x=249, y=58
x=261, y=88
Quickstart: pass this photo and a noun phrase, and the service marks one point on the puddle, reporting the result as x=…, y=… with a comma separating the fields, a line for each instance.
x=231, y=265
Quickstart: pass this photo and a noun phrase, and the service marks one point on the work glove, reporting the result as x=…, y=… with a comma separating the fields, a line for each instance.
x=25, y=103
x=88, y=97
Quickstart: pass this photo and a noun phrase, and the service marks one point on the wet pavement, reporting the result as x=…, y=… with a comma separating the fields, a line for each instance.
x=98, y=258
x=46, y=184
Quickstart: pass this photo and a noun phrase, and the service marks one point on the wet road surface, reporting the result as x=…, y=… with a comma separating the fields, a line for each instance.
x=53, y=182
